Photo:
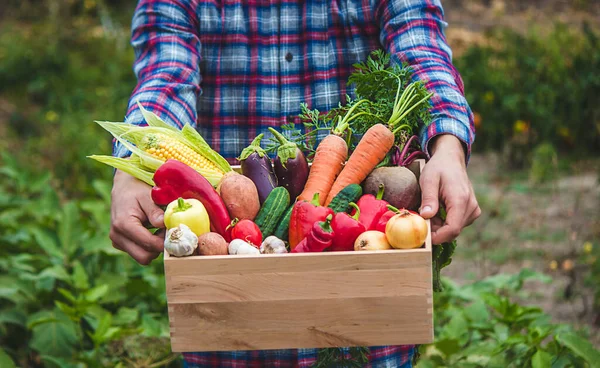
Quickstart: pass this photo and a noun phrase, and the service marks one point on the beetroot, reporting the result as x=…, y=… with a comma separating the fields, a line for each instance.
x=401, y=186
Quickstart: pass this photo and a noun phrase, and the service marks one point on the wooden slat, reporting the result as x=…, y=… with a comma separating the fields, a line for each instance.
x=295, y=285
x=301, y=324
x=329, y=261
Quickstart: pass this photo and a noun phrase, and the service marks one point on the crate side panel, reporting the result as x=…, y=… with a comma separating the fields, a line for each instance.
x=302, y=324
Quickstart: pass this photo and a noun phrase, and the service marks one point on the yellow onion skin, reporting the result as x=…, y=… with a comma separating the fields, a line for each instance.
x=406, y=230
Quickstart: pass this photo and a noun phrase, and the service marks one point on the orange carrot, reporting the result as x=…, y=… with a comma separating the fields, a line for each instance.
x=329, y=159
x=370, y=151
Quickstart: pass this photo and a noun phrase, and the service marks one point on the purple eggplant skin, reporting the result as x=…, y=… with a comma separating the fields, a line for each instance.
x=294, y=175
x=260, y=171
x=256, y=165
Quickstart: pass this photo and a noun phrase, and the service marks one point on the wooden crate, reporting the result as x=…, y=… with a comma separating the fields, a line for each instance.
x=304, y=300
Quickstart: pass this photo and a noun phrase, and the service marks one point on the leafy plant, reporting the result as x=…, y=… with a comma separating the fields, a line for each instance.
x=67, y=296
x=481, y=325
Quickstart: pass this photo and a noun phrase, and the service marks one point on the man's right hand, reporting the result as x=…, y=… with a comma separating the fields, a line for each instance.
x=131, y=208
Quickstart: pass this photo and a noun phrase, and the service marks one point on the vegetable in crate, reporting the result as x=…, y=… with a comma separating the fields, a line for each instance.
x=371, y=209
x=247, y=231
x=282, y=231
x=406, y=230
x=372, y=240
x=190, y=212
x=238, y=246
x=256, y=165
x=304, y=215
x=180, y=241
x=329, y=159
x=273, y=245
x=175, y=179
x=291, y=167
x=383, y=220
x=347, y=228
x=158, y=142
x=372, y=81
x=318, y=239
x=341, y=202
x=272, y=211
x=401, y=186
x=212, y=244
x=239, y=195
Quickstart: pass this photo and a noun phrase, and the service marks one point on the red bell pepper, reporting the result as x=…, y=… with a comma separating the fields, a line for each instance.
x=174, y=179
x=347, y=228
x=318, y=239
x=304, y=215
x=371, y=209
x=246, y=230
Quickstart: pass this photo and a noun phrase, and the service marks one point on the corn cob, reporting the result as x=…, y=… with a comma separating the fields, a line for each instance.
x=164, y=147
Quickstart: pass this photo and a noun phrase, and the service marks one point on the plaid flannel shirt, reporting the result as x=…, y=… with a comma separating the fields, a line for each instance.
x=234, y=68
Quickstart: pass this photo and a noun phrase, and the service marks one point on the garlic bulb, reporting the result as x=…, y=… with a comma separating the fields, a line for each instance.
x=273, y=244
x=238, y=246
x=181, y=241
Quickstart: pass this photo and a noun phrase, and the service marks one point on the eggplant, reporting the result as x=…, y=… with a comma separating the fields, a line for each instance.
x=256, y=165
x=291, y=167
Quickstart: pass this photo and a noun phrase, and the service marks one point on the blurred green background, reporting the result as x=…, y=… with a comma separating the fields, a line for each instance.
x=524, y=286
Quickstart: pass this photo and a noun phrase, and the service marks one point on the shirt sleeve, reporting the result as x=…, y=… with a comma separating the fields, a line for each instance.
x=167, y=54
x=413, y=31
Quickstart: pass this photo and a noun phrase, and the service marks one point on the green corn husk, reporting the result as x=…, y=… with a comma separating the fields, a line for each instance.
x=142, y=165
x=131, y=167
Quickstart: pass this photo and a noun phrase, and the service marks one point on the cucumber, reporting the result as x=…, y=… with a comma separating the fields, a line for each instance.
x=283, y=229
x=272, y=211
x=351, y=193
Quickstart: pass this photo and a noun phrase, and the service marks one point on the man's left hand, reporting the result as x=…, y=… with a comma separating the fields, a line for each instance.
x=444, y=178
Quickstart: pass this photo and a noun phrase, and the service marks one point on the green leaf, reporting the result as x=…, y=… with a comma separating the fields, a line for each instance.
x=541, y=359
x=5, y=360
x=96, y=293
x=54, y=335
x=94, y=314
x=126, y=316
x=68, y=295
x=47, y=241
x=67, y=228
x=457, y=328
x=581, y=347
x=14, y=316
x=51, y=361
x=102, y=329
x=80, y=277
x=448, y=347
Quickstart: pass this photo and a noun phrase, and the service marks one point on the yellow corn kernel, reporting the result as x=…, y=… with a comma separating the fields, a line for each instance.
x=165, y=147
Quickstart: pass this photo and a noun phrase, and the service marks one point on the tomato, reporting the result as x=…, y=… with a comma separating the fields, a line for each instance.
x=248, y=231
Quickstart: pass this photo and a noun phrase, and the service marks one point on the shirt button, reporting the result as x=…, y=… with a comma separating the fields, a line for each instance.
x=289, y=57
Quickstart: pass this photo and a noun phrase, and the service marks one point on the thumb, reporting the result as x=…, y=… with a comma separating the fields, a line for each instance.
x=430, y=188
x=154, y=213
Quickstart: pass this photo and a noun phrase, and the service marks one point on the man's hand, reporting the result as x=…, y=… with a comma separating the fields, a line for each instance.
x=445, y=179
x=131, y=208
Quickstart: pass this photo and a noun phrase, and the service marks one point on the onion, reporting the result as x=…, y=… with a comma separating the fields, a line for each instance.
x=406, y=230
x=372, y=240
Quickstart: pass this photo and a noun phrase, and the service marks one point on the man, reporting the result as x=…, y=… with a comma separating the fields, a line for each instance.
x=233, y=68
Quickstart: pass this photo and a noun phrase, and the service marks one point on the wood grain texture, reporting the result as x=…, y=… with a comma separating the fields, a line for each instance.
x=312, y=300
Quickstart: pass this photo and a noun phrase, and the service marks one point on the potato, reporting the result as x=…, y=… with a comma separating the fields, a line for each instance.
x=212, y=244
x=240, y=196
x=401, y=188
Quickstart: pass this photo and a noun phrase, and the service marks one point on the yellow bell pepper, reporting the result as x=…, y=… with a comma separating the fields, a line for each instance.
x=190, y=212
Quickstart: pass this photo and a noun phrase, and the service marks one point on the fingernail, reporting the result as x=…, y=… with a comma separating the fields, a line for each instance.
x=426, y=209
x=160, y=218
